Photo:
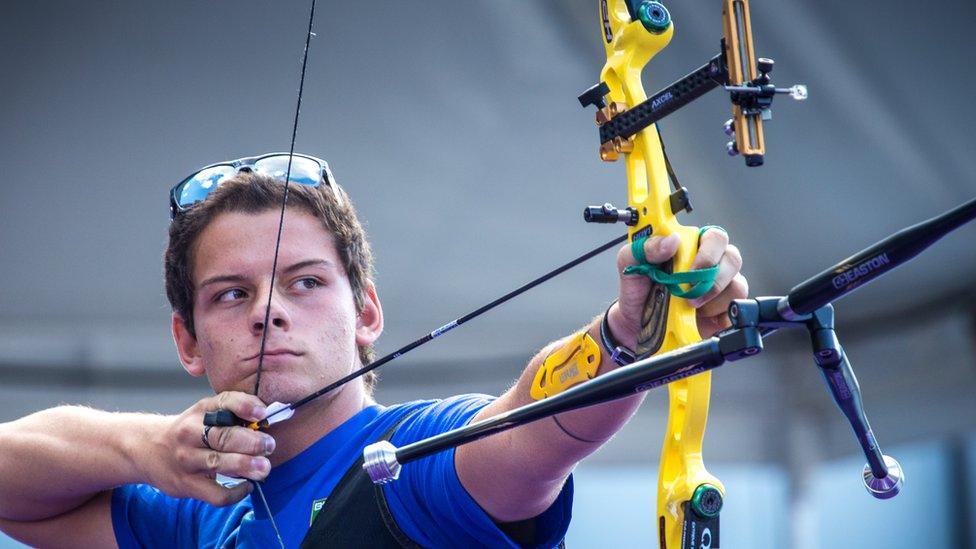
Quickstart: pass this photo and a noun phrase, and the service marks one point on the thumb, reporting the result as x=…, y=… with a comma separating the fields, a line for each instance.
x=634, y=288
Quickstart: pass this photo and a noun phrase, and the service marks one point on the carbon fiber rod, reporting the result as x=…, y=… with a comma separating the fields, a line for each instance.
x=872, y=262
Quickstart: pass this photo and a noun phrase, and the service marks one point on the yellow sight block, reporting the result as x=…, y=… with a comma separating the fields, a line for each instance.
x=573, y=363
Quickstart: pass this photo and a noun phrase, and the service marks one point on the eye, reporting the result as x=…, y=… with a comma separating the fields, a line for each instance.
x=307, y=283
x=234, y=294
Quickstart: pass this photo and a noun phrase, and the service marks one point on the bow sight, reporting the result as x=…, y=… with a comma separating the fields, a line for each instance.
x=734, y=69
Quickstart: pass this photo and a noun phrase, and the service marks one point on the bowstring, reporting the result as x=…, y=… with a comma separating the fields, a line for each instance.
x=399, y=352
x=274, y=263
x=257, y=488
x=284, y=200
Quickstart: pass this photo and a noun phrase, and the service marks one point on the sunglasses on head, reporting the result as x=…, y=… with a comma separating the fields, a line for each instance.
x=305, y=170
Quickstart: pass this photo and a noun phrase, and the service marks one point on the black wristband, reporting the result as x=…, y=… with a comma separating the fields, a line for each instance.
x=618, y=353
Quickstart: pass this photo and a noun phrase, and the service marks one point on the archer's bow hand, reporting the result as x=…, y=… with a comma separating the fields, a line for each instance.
x=714, y=249
x=179, y=462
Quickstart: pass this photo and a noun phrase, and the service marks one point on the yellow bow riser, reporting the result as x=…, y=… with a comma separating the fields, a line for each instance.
x=629, y=49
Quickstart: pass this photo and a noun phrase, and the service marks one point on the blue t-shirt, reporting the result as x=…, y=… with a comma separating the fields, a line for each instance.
x=428, y=502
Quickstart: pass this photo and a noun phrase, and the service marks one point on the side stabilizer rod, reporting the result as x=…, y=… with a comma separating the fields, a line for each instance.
x=872, y=262
x=382, y=460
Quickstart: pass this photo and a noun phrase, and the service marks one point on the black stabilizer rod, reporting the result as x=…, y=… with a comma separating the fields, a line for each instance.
x=622, y=382
x=843, y=386
x=846, y=392
x=382, y=461
x=863, y=267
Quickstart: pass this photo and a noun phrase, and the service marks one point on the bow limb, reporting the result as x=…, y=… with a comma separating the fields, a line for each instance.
x=668, y=322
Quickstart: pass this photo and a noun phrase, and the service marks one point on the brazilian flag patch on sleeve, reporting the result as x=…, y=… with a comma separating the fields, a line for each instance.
x=316, y=507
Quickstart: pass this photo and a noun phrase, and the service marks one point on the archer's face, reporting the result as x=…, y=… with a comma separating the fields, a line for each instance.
x=313, y=325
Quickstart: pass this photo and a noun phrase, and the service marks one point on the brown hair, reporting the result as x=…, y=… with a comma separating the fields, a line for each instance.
x=253, y=193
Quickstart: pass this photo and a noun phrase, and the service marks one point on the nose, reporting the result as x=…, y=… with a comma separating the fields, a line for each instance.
x=276, y=315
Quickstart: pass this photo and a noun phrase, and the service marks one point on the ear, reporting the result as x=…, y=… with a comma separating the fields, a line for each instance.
x=186, y=346
x=369, y=322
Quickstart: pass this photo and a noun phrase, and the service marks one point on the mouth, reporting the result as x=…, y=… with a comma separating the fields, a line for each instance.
x=270, y=353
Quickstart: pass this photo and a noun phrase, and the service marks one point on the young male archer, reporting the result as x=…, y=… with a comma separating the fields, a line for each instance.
x=72, y=475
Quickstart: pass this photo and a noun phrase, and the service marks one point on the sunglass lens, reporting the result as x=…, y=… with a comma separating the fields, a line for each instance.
x=203, y=183
x=304, y=171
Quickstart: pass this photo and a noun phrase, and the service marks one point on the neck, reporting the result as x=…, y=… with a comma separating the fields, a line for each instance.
x=316, y=419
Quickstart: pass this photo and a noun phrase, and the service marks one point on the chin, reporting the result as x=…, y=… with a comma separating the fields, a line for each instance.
x=275, y=388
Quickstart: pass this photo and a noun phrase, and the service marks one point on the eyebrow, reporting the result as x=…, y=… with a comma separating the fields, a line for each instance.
x=308, y=263
x=291, y=268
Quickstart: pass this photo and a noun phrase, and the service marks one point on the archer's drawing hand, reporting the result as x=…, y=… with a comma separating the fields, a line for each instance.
x=712, y=308
x=180, y=464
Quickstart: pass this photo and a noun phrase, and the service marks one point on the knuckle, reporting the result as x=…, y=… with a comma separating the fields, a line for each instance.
x=224, y=497
x=715, y=237
x=624, y=257
x=658, y=249
x=711, y=293
x=741, y=285
x=199, y=406
x=735, y=255
x=181, y=431
x=181, y=457
x=212, y=498
x=213, y=461
x=666, y=245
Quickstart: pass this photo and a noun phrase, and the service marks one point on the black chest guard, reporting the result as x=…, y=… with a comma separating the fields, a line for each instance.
x=356, y=514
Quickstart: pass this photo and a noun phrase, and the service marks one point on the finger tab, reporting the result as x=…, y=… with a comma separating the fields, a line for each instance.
x=221, y=418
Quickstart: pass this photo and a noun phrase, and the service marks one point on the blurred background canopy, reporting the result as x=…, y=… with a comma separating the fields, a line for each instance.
x=455, y=128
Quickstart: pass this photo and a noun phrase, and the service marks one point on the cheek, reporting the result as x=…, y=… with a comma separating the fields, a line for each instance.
x=217, y=347
x=337, y=329
x=338, y=333
x=213, y=339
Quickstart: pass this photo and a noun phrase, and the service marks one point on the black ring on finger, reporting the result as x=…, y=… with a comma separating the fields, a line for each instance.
x=205, y=437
